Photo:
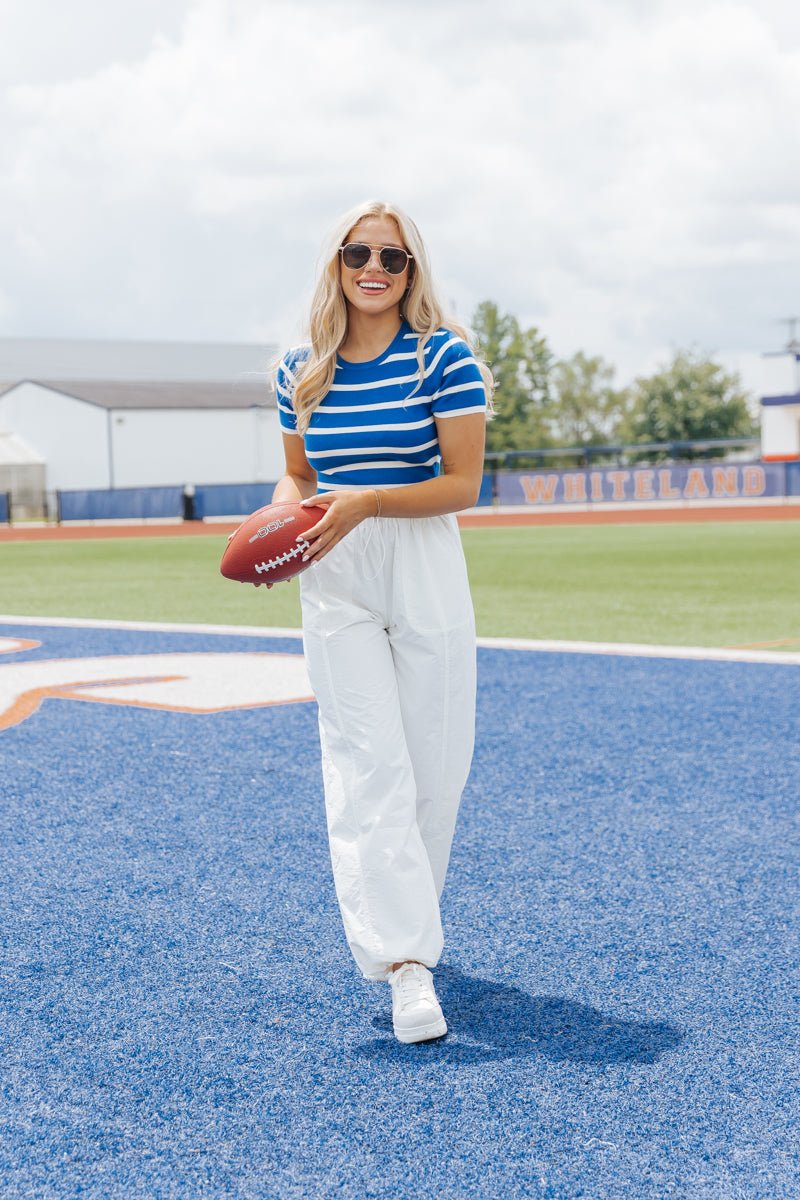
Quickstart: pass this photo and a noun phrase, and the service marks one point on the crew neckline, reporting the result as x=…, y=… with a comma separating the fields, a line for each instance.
x=373, y=362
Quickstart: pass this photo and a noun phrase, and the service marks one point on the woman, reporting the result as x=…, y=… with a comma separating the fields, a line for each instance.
x=383, y=420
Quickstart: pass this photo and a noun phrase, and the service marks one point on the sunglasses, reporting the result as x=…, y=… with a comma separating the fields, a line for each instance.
x=393, y=259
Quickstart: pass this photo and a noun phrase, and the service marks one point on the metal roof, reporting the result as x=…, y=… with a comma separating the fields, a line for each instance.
x=129, y=360
x=254, y=391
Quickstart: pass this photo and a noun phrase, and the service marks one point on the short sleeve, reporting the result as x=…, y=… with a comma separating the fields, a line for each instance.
x=284, y=391
x=459, y=384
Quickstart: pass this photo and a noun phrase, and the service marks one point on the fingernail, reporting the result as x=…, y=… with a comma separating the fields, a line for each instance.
x=304, y=558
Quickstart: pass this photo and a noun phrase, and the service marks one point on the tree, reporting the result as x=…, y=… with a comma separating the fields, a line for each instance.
x=521, y=362
x=588, y=410
x=692, y=398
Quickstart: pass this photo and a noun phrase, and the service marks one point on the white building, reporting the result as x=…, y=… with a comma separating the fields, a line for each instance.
x=780, y=428
x=172, y=414
x=780, y=407
x=109, y=434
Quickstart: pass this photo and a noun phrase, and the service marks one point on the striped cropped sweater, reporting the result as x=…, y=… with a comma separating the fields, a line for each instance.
x=376, y=426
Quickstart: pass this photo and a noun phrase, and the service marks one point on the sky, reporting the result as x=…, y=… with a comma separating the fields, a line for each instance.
x=622, y=174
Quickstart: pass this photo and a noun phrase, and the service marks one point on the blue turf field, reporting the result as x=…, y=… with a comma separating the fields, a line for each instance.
x=181, y=1018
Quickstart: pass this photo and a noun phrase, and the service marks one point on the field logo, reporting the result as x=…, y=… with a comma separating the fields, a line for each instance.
x=188, y=683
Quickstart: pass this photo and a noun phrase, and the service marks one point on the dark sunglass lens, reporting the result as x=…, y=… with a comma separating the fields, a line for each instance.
x=393, y=260
x=355, y=255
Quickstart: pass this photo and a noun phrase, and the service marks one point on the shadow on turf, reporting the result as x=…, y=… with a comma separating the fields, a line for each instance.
x=490, y=1021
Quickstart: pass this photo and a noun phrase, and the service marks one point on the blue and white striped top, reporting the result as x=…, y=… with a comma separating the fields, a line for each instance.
x=370, y=431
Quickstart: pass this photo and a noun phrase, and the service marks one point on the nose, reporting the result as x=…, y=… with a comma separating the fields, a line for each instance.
x=374, y=257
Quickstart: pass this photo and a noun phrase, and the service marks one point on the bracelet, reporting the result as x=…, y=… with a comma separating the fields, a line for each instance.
x=380, y=502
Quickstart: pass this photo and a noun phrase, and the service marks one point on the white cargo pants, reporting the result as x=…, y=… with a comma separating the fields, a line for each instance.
x=389, y=639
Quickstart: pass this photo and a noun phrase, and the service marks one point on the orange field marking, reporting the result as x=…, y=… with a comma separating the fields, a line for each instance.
x=203, y=683
x=788, y=641
x=15, y=645
x=30, y=702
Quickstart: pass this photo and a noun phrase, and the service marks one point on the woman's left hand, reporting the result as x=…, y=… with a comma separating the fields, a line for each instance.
x=345, y=510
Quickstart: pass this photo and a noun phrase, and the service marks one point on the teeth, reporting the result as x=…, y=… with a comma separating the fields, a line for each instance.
x=375, y=287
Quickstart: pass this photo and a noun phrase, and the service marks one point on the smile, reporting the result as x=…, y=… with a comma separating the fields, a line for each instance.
x=372, y=285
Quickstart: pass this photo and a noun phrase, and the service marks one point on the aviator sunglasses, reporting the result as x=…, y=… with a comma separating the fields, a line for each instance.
x=393, y=259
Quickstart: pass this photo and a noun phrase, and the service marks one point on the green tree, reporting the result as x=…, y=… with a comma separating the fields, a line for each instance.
x=589, y=411
x=521, y=362
x=691, y=398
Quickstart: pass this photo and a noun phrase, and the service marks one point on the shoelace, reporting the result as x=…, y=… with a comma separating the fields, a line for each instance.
x=412, y=985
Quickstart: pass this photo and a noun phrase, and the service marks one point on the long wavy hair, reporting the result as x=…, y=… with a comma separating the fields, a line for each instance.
x=420, y=307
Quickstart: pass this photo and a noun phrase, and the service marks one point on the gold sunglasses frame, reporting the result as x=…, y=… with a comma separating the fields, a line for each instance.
x=377, y=250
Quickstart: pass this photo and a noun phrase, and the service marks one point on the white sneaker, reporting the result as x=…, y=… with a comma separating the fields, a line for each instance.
x=416, y=1013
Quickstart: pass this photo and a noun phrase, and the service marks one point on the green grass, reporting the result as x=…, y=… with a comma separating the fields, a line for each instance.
x=705, y=584
x=735, y=583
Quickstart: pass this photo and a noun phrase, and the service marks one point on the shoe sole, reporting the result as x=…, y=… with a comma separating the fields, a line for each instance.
x=422, y=1033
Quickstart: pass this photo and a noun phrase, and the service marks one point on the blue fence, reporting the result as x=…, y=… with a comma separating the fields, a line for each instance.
x=793, y=479
x=231, y=499
x=236, y=499
x=5, y=508
x=487, y=490
x=668, y=482
x=121, y=504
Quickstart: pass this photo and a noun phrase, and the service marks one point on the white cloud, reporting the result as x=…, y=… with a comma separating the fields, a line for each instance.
x=619, y=172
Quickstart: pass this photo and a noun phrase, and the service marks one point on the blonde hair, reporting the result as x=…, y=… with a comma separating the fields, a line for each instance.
x=420, y=307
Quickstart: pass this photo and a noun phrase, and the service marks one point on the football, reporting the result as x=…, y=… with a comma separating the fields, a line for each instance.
x=264, y=549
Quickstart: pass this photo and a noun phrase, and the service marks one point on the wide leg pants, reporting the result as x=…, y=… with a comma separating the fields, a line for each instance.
x=389, y=638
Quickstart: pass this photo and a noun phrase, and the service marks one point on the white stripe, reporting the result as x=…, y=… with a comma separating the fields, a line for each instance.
x=380, y=466
x=336, y=430
x=377, y=383
x=461, y=362
x=461, y=412
x=349, y=408
x=432, y=364
x=623, y=649
x=459, y=387
x=287, y=372
x=438, y=333
x=153, y=626
x=381, y=383
x=638, y=650
x=347, y=450
x=325, y=486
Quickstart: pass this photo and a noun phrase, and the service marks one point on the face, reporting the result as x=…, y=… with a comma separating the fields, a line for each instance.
x=370, y=289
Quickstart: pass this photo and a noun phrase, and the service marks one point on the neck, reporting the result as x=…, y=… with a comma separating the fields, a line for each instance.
x=369, y=334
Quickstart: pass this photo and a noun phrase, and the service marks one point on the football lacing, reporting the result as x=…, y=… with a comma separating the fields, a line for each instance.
x=261, y=568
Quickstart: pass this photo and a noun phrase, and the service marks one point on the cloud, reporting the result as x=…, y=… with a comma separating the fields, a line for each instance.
x=619, y=172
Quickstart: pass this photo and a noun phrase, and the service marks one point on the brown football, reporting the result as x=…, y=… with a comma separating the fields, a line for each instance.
x=265, y=549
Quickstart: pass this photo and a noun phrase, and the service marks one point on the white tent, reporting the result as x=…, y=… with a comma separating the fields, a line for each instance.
x=22, y=474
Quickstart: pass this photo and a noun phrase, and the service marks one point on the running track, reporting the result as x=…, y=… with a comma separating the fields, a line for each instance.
x=618, y=516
